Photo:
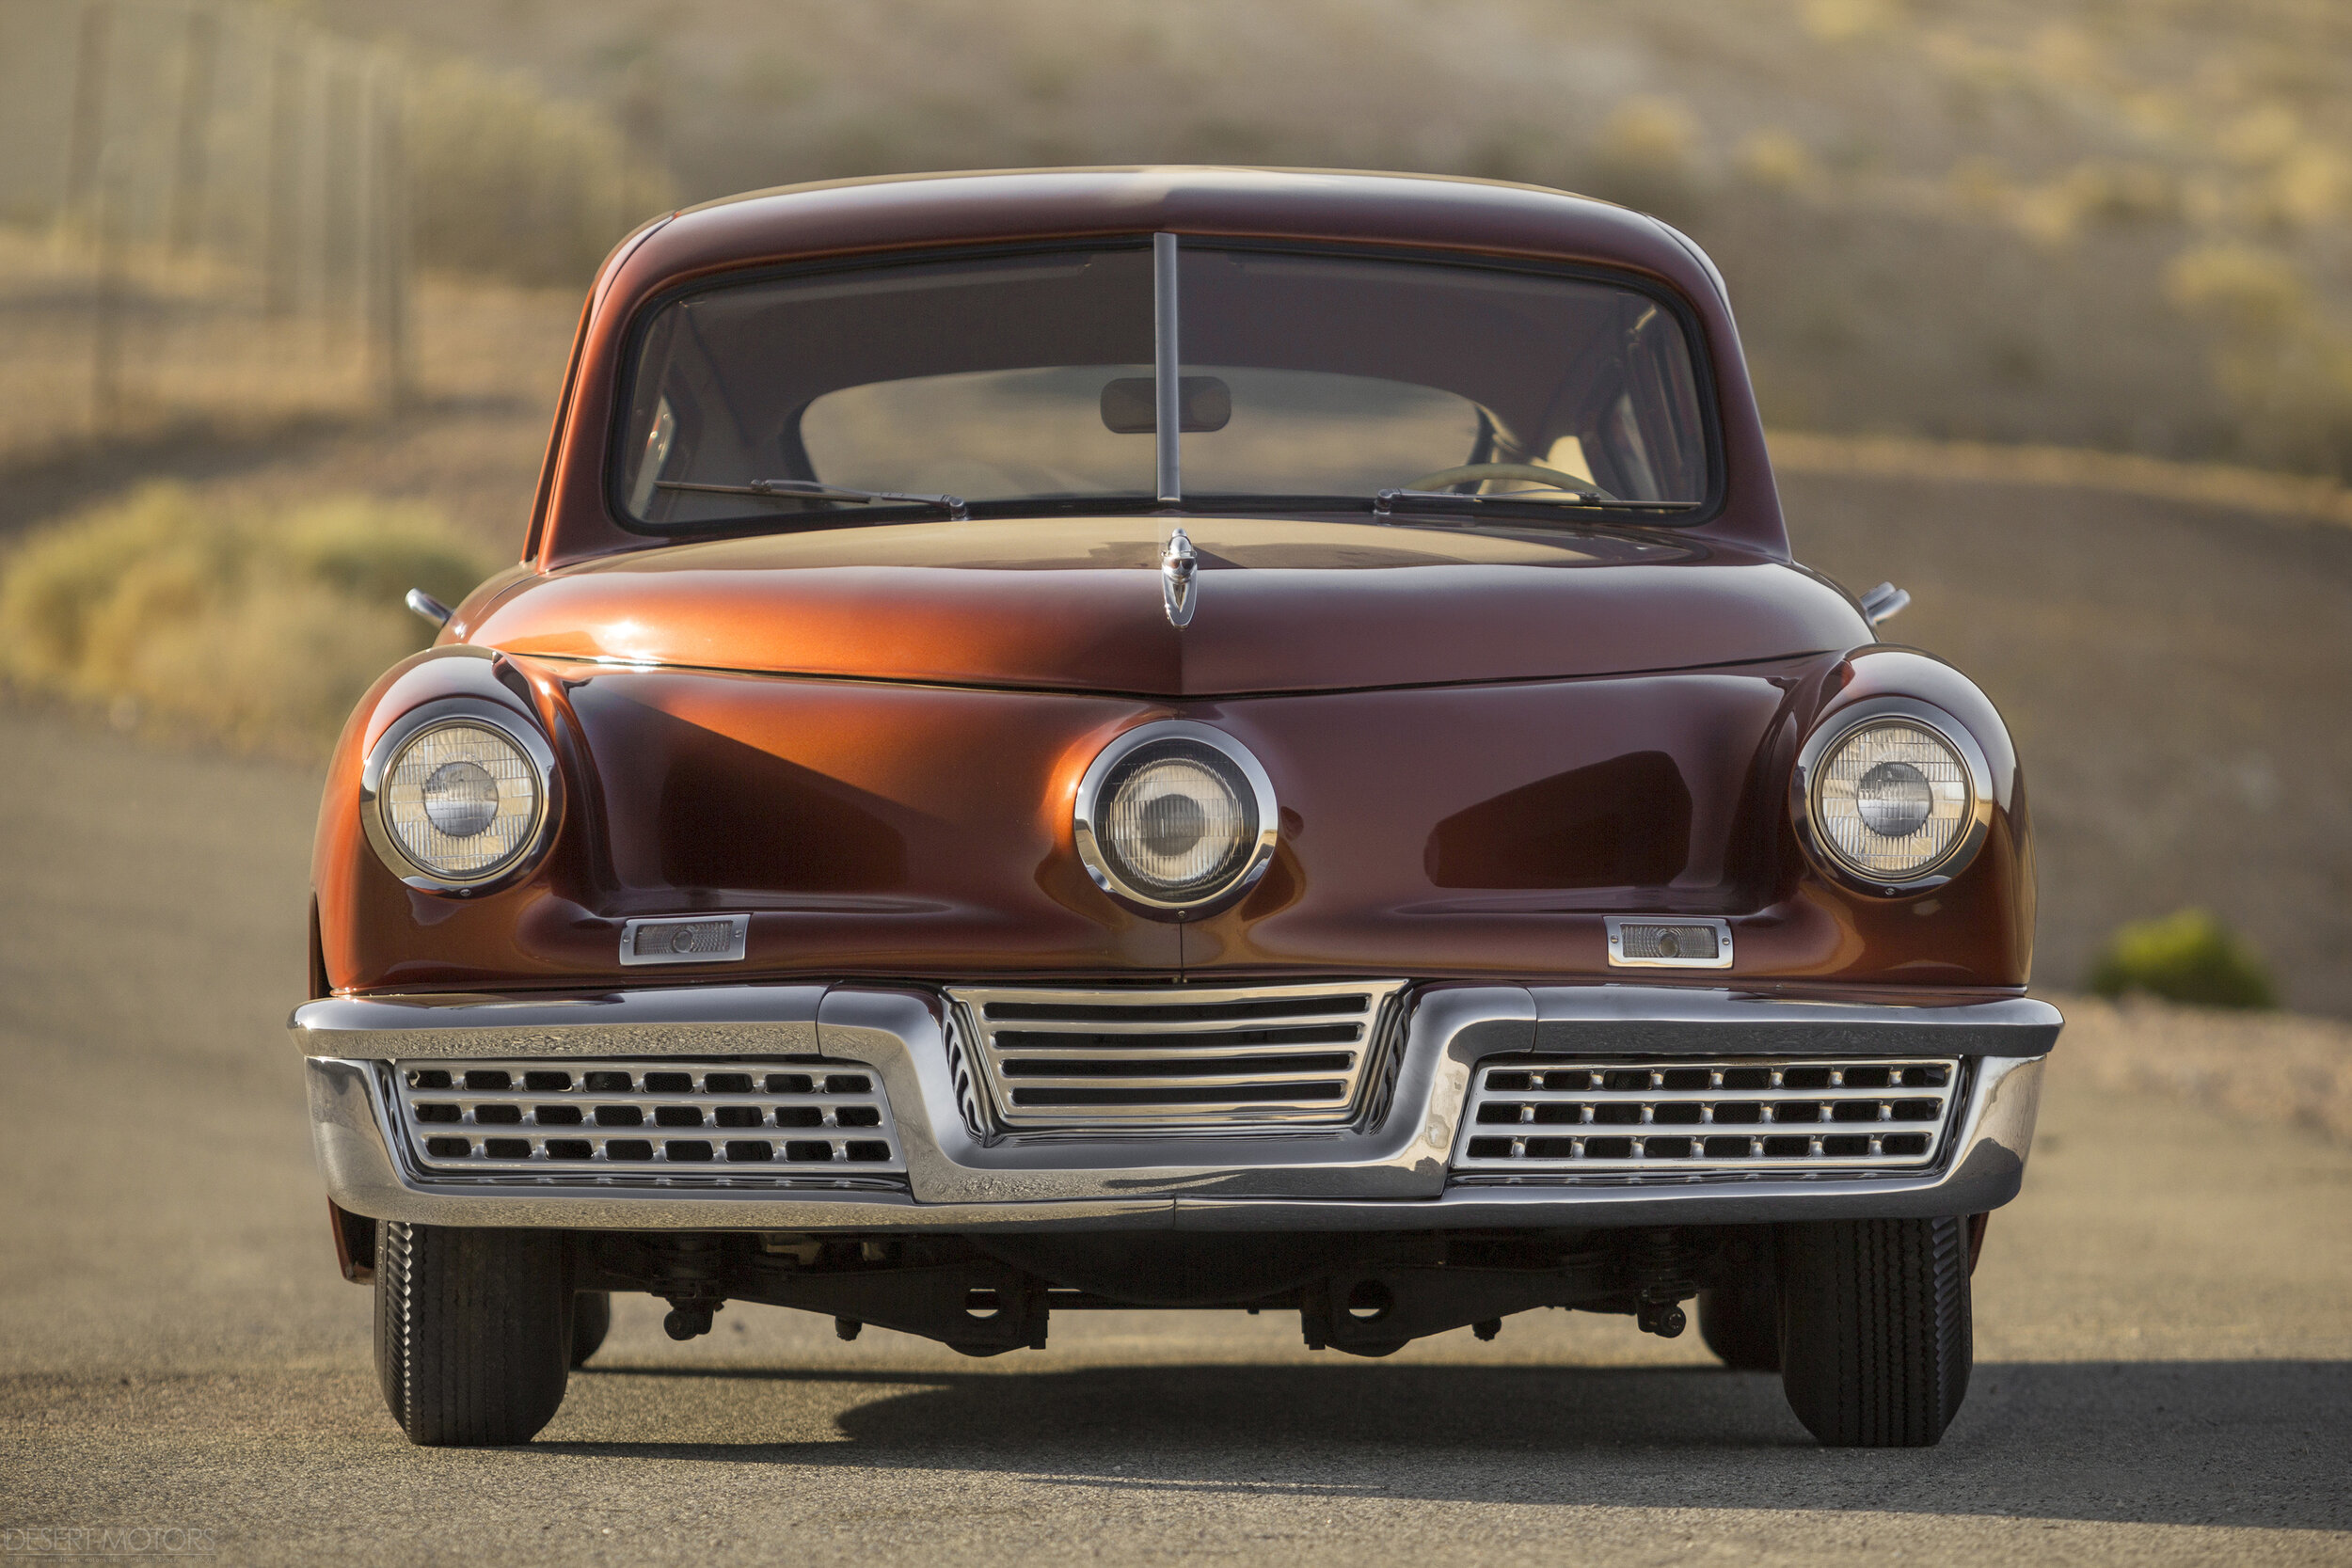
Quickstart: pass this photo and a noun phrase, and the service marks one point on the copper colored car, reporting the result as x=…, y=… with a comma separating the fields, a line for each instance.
x=1169, y=738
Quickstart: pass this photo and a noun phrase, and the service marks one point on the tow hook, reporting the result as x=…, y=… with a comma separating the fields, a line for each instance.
x=688, y=1317
x=689, y=1266
x=1664, y=1318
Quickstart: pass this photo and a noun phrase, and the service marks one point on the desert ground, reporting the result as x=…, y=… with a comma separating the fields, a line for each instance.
x=2163, y=1341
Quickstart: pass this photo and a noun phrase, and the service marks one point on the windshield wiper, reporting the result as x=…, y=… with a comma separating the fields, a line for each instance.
x=1386, y=502
x=810, y=489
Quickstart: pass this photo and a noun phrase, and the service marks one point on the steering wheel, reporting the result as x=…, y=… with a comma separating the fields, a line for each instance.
x=1531, y=471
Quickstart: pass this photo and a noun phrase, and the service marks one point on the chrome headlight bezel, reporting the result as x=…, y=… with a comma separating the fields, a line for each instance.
x=1824, y=743
x=522, y=734
x=1086, y=820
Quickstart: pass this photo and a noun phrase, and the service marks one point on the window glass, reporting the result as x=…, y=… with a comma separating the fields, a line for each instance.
x=978, y=377
x=1028, y=378
x=1369, y=374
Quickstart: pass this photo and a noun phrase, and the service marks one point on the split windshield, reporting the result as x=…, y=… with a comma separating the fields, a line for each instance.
x=1028, y=380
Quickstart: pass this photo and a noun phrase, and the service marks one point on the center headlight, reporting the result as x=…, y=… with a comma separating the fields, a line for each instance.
x=1173, y=816
x=1893, y=797
x=458, y=801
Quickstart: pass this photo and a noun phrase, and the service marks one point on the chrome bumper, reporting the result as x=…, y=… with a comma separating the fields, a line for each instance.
x=1393, y=1175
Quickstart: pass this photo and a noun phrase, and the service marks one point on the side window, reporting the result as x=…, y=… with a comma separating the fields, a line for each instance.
x=1652, y=429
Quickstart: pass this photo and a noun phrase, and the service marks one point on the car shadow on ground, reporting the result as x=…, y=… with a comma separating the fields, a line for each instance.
x=2242, y=1443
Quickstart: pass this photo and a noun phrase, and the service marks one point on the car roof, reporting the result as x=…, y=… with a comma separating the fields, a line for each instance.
x=1483, y=216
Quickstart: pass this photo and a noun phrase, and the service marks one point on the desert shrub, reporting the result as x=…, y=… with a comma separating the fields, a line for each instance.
x=260, y=629
x=2186, y=957
x=510, y=182
x=2283, y=361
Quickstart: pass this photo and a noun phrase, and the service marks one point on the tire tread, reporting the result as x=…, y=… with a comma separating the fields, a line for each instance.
x=472, y=1332
x=1876, y=1342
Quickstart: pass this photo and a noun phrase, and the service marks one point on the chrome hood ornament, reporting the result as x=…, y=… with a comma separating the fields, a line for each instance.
x=1178, y=569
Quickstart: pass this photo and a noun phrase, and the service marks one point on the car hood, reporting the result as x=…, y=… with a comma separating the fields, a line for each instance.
x=1075, y=604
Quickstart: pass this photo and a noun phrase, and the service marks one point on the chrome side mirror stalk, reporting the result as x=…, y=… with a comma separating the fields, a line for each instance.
x=427, y=606
x=1883, y=603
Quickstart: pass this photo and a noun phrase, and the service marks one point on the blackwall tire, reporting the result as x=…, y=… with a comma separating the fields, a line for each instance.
x=592, y=1319
x=1875, y=1339
x=1741, y=1323
x=471, y=1332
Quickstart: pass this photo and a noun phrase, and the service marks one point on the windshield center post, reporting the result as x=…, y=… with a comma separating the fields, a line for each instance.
x=1166, y=362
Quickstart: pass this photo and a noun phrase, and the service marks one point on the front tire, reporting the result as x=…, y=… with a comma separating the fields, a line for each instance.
x=592, y=1319
x=1741, y=1323
x=472, y=1335
x=1875, y=1333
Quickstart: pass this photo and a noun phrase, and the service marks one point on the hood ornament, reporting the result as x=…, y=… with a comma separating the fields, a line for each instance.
x=1178, y=568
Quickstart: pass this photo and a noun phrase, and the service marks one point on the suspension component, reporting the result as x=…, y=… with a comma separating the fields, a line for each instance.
x=687, y=1318
x=689, y=1282
x=1662, y=1269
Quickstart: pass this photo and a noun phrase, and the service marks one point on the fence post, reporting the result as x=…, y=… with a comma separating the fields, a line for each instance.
x=196, y=121
x=85, y=134
x=278, y=237
x=388, y=253
x=106, y=303
x=344, y=89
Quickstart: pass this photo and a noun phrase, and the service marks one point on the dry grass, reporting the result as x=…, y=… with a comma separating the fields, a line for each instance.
x=256, y=630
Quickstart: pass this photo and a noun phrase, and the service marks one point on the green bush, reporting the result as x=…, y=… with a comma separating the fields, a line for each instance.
x=260, y=629
x=2186, y=957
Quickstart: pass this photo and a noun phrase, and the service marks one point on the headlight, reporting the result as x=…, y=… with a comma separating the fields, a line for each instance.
x=1893, y=794
x=458, y=796
x=1174, y=816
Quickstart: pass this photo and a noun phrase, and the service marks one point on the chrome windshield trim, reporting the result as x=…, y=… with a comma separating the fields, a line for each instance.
x=1168, y=436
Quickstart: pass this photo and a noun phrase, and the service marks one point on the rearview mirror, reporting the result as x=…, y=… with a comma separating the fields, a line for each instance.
x=1203, y=402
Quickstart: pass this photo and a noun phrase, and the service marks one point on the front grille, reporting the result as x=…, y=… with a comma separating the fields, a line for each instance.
x=1680, y=1118
x=1277, y=1055
x=774, y=1122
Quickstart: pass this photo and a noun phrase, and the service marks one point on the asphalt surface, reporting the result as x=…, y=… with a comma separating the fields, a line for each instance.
x=2164, y=1329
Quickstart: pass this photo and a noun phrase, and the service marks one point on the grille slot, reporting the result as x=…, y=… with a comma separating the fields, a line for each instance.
x=1745, y=1116
x=732, y=1121
x=1275, y=1055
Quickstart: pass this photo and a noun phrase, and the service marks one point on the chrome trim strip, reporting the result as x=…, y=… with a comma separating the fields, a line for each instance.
x=1616, y=926
x=699, y=1021
x=1167, y=366
x=1394, y=1174
x=1677, y=1021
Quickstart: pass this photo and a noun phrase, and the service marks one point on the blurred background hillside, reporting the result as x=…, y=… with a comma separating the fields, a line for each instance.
x=2049, y=305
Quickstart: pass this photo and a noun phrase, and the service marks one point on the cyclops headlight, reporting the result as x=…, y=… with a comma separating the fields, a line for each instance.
x=1893, y=794
x=458, y=794
x=1173, y=816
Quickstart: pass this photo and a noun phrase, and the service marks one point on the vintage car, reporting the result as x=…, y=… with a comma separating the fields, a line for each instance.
x=1165, y=738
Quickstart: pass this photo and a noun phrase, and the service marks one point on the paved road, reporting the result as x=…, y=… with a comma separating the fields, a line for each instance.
x=2165, y=1332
